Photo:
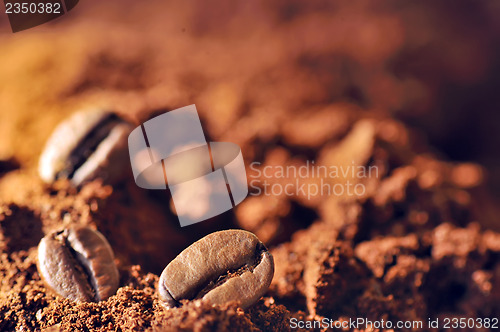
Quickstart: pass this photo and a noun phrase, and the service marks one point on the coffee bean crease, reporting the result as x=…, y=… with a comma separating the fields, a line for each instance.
x=78, y=264
x=88, y=145
x=231, y=265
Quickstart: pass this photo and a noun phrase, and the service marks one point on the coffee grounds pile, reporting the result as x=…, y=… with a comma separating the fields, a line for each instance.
x=290, y=83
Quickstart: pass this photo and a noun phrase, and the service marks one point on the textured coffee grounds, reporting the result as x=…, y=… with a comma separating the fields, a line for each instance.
x=397, y=254
x=379, y=264
x=421, y=242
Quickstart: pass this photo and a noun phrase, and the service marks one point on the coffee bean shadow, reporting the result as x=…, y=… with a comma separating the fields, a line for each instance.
x=8, y=166
x=300, y=217
x=143, y=230
x=20, y=229
x=194, y=232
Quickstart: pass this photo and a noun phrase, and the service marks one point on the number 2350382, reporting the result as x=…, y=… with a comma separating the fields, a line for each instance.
x=33, y=8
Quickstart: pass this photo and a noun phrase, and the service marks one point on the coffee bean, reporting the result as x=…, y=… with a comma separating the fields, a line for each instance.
x=78, y=264
x=231, y=265
x=88, y=145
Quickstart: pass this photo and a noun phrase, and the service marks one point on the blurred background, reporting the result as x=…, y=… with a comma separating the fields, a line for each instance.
x=411, y=87
x=433, y=65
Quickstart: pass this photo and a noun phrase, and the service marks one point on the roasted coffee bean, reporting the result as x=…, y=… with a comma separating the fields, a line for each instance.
x=88, y=145
x=231, y=265
x=78, y=263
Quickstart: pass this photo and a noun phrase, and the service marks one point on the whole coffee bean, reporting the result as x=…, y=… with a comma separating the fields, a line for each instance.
x=231, y=265
x=78, y=264
x=88, y=145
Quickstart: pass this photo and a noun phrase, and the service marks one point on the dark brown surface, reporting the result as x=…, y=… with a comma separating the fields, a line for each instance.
x=333, y=82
